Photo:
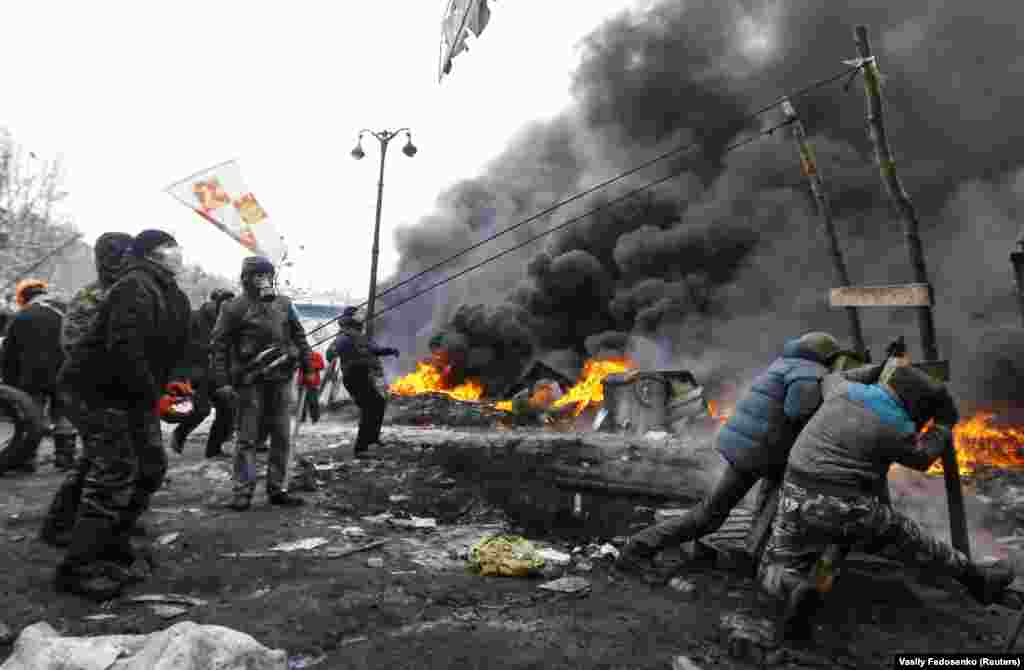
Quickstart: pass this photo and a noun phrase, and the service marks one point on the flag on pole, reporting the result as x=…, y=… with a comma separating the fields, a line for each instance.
x=221, y=197
x=461, y=17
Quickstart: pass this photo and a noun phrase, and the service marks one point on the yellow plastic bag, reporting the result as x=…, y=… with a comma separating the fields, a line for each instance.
x=504, y=556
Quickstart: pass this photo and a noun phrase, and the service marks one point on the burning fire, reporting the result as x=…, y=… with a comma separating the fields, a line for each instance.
x=429, y=378
x=589, y=389
x=979, y=443
x=716, y=412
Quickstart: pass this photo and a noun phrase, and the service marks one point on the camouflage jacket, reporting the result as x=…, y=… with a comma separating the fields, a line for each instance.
x=81, y=313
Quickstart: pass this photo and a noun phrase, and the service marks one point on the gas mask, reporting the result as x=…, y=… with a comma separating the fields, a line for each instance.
x=263, y=284
x=168, y=257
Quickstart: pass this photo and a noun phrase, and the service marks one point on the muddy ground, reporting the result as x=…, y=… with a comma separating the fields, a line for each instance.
x=418, y=606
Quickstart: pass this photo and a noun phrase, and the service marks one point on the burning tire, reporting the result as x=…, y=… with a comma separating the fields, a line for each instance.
x=21, y=427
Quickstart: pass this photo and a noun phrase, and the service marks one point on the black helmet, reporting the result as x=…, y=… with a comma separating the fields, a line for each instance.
x=257, y=265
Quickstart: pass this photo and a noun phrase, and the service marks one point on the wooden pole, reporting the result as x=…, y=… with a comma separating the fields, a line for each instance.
x=810, y=169
x=74, y=238
x=887, y=168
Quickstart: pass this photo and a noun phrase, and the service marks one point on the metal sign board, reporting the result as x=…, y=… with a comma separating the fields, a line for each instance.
x=899, y=295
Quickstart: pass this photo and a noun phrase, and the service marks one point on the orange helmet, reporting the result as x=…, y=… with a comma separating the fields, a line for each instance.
x=28, y=289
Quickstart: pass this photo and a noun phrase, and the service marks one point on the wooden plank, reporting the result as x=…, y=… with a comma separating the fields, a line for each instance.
x=897, y=295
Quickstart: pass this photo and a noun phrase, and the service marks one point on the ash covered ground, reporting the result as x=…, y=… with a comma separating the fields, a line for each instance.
x=417, y=606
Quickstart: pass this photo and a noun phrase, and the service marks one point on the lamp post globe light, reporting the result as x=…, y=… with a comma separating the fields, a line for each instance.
x=383, y=137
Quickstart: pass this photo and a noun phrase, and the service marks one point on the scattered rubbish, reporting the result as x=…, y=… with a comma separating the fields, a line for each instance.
x=554, y=557
x=504, y=556
x=414, y=522
x=403, y=572
x=567, y=585
x=398, y=497
x=6, y=634
x=167, y=598
x=583, y=565
x=656, y=435
x=620, y=541
x=99, y=617
x=299, y=545
x=353, y=640
x=326, y=467
x=303, y=662
x=379, y=518
x=167, y=538
x=375, y=562
x=682, y=585
x=684, y=663
x=446, y=482
x=183, y=646
x=577, y=504
x=333, y=553
x=258, y=593
x=605, y=551
x=353, y=532
x=168, y=611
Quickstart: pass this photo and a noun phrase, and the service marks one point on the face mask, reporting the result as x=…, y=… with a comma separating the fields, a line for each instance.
x=169, y=258
x=264, y=288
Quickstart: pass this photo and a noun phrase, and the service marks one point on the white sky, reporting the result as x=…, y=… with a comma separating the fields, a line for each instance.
x=138, y=95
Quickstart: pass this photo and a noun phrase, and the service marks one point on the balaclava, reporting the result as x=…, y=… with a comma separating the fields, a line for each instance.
x=109, y=251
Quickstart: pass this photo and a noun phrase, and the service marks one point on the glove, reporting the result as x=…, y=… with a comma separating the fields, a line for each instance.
x=309, y=379
x=179, y=388
x=227, y=394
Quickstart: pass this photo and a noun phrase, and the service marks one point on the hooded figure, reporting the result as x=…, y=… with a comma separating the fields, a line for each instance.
x=32, y=359
x=832, y=498
x=81, y=313
x=754, y=443
x=119, y=369
x=255, y=348
x=362, y=376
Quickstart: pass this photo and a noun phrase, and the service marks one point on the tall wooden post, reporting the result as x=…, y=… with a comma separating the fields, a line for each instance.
x=887, y=168
x=810, y=169
x=1017, y=259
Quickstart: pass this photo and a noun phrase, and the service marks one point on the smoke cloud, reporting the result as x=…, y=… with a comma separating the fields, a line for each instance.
x=715, y=269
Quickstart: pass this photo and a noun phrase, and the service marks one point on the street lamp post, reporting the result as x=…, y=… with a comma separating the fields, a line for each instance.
x=383, y=136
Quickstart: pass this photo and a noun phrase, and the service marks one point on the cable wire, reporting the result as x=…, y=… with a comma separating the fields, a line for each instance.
x=850, y=71
x=565, y=224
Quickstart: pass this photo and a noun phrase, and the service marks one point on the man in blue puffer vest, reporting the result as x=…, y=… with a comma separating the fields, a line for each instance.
x=754, y=442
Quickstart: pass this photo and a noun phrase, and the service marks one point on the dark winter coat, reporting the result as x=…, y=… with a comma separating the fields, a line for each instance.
x=196, y=366
x=32, y=351
x=354, y=349
x=757, y=437
x=847, y=447
x=139, y=336
x=245, y=328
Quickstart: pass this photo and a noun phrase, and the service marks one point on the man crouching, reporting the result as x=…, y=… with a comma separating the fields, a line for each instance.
x=833, y=498
x=260, y=335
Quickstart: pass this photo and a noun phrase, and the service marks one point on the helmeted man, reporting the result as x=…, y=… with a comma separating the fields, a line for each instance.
x=833, y=496
x=362, y=376
x=119, y=370
x=256, y=346
x=754, y=443
x=196, y=369
x=78, y=320
x=32, y=359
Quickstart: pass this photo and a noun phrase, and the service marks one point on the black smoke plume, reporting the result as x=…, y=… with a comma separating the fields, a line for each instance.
x=715, y=269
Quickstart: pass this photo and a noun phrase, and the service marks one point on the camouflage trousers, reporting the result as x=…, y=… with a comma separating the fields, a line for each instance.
x=126, y=465
x=808, y=523
x=263, y=408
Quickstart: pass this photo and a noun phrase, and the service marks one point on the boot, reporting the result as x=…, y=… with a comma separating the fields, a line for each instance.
x=986, y=584
x=60, y=518
x=85, y=570
x=135, y=564
x=241, y=502
x=285, y=499
x=64, y=452
x=796, y=622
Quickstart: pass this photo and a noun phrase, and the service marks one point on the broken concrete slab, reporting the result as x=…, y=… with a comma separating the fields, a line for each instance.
x=575, y=585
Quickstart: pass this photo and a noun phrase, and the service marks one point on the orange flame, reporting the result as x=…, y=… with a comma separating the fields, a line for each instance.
x=717, y=413
x=589, y=389
x=504, y=405
x=428, y=378
x=980, y=443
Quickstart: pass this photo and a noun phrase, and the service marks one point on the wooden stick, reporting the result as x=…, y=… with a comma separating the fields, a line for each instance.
x=810, y=170
x=327, y=554
x=887, y=168
x=1012, y=640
